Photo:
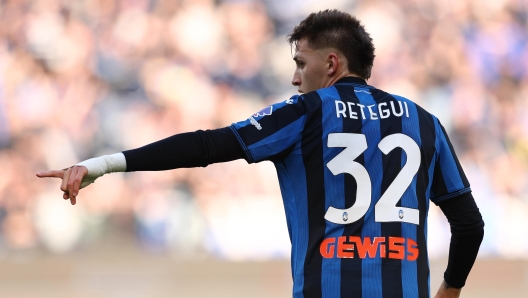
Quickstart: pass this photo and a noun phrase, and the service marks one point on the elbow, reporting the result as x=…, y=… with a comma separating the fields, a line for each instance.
x=473, y=229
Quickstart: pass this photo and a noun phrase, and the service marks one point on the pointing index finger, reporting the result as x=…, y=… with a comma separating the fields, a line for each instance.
x=53, y=173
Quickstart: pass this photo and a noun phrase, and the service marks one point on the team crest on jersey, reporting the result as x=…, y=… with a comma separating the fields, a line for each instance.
x=264, y=112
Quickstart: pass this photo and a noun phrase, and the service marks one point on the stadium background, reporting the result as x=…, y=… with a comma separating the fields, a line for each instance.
x=84, y=78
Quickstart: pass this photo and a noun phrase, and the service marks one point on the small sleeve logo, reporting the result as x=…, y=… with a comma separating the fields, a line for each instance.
x=264, y=112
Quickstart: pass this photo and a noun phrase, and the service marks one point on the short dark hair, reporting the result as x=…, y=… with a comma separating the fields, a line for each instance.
x=339, y=30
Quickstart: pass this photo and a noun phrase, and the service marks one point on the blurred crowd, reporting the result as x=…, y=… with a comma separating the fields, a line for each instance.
x=83, y=78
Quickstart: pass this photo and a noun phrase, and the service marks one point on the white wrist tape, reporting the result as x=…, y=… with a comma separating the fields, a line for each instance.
x=99, y=166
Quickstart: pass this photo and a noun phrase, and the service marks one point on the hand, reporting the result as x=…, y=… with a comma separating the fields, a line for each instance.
x=71, y=180
x=446, y=291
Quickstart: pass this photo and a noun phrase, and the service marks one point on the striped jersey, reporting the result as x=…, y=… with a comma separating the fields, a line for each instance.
x=357, y=168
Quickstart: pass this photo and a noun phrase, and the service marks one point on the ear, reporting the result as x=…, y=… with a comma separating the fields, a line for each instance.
x=332, y=63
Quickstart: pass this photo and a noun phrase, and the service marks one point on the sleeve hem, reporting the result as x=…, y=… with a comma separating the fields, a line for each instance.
x=247, y=154
x=451, y=195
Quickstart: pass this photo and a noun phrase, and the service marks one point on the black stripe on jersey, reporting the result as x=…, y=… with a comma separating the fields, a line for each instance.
x=459, y=167
x=279, y=119
x=312, y=153
x=351, y=268
x=282, y=155
x=438, y=187
x=427, y=136
x=391, y=272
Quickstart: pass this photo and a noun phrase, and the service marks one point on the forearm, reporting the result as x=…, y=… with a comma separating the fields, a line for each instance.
x=193, y=149
x=186, y=150
x=467, y=229
x=98, y=166
x=462, y=254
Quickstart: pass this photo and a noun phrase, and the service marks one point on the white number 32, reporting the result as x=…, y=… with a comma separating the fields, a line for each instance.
x=385, y=210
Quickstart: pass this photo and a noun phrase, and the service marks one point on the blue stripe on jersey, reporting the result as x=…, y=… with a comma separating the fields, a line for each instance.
x=451, y=175
x=334, y=186
x=351, y=284
x=292, y=180
x=411, y=128
x=275, y=143
x=371, y=267
x=274, y=107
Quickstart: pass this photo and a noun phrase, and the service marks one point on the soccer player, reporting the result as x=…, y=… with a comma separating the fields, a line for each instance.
x=357, y=169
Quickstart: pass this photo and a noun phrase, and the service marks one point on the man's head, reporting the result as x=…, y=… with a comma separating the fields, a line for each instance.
x=330, y=45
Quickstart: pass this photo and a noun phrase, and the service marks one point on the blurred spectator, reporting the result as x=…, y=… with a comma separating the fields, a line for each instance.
x=84, y=78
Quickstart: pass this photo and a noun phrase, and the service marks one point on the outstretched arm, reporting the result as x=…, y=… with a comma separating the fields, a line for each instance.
x=186, y=150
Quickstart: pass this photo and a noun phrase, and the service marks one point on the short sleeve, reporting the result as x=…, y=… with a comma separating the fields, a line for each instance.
x=273, y=131
x=449, y=179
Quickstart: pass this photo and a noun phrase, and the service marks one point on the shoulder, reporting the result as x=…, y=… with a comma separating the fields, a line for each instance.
x=419, y=108
x=315, y=97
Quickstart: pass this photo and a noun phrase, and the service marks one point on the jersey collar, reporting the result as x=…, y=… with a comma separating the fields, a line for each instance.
x=354, y=80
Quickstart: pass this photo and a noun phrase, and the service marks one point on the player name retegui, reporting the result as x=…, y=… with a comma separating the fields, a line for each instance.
x=384, y=110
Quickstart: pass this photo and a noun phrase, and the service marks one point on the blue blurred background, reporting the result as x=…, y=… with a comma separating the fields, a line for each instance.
x=84, y=78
